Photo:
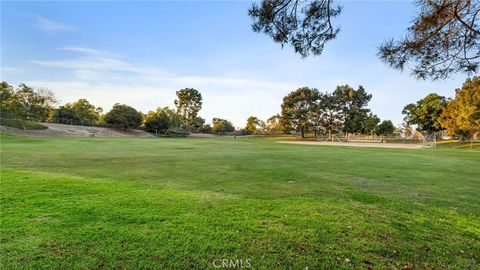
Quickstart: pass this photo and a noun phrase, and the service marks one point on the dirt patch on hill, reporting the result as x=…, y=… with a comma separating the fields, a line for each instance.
x=377, y=145
x=78, y=131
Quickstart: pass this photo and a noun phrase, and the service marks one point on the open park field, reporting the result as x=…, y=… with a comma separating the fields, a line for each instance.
x=185, y=203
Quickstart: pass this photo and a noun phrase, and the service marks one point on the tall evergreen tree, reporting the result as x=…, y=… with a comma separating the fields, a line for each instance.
x=354, y=107
x=296, y=108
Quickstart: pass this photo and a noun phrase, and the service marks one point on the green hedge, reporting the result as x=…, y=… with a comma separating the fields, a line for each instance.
x=18, y=123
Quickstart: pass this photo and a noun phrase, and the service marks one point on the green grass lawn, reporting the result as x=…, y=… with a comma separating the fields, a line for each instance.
x=182, y=203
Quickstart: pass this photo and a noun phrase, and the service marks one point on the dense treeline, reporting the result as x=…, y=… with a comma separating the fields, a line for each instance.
x=28, y=103
x=458, y=117
x=306, y=110
x=309, y=110
x=345, y=111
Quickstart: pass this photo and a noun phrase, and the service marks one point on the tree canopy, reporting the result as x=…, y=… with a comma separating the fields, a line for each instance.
x=157, y=121
x=425, y=113
x=188, y=103
x=462, y=114
x=371, y=123
x=275, y=125
x=123, y=116
x=27, y=102
x=330, y=114
x=85, y=111
x=64, y=114
x=297, y=105
x=443, y=39
x=222, y=126
x=353, y=104
x=80, y=112
x=385, y=128
x=7, y=101
x=305, y=25
x=253, y=124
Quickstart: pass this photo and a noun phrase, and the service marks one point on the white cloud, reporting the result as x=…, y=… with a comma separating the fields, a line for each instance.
x=50, y=26
x=98, y=61
x=9, y=69
x=105, y=79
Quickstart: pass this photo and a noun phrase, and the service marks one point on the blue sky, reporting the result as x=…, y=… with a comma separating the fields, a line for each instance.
x=140, y=53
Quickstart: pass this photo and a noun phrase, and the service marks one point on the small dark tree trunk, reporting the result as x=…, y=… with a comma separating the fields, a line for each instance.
x=302, y=131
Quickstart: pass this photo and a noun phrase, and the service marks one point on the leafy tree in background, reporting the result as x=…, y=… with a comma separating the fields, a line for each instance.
x=407, y=130
x=157, y=121
x=85, y=111
x=33, y=104
x=175, y=118
x=222, y=126
x=425, y=114
x=123, y=116
x=205, y=129
x=462, y=114
x=79, y=112
x=198, y=123
x=443, y=39
x=370, y=124
x=330, y=111
x=274, y=124
x=297, y=105
x=385, y=128
x=6, y=91
x=252, y=125
x=354, y=107
x=188, y=103
x=286, y=125
x=7, y=98
x=314, y=116
x=64, y=114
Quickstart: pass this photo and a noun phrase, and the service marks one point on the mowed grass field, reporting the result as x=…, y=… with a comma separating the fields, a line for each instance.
x=182, y=203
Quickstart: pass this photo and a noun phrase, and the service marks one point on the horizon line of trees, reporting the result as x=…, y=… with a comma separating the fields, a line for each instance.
x=344, y=111
x=458, y=116
x=28, y=103
x=309, y=110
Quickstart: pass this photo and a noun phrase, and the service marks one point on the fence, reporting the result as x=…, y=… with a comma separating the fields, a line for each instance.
x=8, y=115
x=74, y=122
x=340, y=137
